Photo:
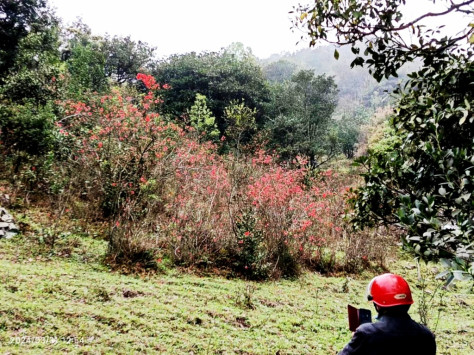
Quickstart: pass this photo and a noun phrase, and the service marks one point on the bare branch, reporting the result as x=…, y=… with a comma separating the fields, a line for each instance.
x=434, y=14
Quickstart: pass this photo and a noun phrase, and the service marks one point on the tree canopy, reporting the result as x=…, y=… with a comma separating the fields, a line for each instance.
x=19, y=18
x=231, y=74
x=302, y=109
x=85, y=60
x=125, y=58
x=378, y=31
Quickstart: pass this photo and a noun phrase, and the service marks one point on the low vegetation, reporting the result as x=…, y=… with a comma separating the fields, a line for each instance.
x=64, y=300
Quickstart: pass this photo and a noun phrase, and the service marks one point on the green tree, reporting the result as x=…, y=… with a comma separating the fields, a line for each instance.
x=231, y=74
x=302, y=110
x=29, y=54
x=425, y=182
x=34, y=74
x=126, y=58
x=240, y=123
x=30, y=65
x=85, y=59
x=17, y=20
x=26, y=128
x=202, y=120
x=348, y=129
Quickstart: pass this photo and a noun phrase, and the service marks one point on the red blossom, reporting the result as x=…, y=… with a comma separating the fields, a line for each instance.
x=148, y=80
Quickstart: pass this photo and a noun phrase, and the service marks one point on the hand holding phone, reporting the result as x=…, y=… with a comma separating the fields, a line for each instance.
x=358, y=316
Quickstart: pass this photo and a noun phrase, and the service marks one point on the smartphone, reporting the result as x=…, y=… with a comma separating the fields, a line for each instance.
x=358, y=316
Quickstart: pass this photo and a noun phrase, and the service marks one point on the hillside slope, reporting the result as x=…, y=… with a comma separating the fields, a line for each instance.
x=63, y=300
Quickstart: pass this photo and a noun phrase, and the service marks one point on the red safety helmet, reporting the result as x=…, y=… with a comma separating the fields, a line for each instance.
x=389, y=290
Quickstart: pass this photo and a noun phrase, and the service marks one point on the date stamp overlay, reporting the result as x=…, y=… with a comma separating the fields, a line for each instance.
x=24, y=340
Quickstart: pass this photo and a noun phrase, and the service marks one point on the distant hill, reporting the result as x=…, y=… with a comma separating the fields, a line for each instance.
x=356, y=87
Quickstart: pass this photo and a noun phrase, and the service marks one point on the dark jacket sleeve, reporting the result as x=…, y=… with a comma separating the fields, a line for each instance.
x=358, y=343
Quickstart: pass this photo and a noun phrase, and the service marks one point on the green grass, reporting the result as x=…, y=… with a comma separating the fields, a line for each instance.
x=67, y=294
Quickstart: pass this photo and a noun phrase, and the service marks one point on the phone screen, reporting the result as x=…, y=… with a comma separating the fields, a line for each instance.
x=358, y=316
x=365, y=316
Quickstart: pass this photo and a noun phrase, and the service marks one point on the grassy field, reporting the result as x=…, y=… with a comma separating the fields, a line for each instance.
x=64, y=300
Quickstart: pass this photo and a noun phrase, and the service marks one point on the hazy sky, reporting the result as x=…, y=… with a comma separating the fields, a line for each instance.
x=180, y=26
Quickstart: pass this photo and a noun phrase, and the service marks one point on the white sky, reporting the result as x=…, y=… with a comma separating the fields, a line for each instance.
x=181, y=26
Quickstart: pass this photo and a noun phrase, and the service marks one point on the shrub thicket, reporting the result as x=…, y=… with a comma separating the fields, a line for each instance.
x=164, y=195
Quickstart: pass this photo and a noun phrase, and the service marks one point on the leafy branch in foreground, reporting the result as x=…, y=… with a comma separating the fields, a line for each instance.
x=424, y=181
x=380, y=29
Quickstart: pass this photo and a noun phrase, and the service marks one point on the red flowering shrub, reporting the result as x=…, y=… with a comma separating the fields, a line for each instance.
x=164, y=194
x=118, y=144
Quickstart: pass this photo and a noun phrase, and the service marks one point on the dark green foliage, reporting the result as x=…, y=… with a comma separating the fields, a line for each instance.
x=348, y=136
x=303, y=109
x=348, y=130
x=425, y=182
x=377, y=31
x=251, y=256
x=17, y=20
x=33, y=73
x=356, y=86
x=126, y=58
x=92, y=60
x=187, y=76
x=26, y=128
x=86, y=67
x=221, y=77
x=359, y=95
x=29, y=84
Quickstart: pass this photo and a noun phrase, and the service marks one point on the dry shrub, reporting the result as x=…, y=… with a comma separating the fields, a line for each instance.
x=131, y=248
x=368, y=248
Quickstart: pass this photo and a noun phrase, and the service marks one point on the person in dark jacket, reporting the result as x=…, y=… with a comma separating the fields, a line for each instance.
x=394, y=332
